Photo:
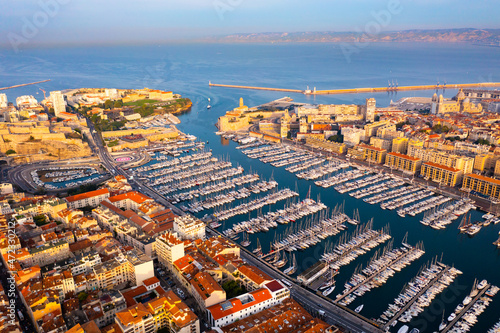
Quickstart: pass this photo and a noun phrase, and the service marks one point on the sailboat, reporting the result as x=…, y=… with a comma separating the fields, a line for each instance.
x=497, y=242
x=282, y=262
x=443, y=323
x=209, y=106
x=246, y=241
x=328, y=291
x=258, y=248
x=293, y=267
x=464, y=224
x=359, y=308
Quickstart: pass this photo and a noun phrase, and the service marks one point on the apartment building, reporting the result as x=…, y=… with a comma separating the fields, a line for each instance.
x=91, y=199
x=403, y=162
x=240, y=307
x=169, y=248
x=464, y=163
x=189, y=227
x=486, y=186
x=441, y=174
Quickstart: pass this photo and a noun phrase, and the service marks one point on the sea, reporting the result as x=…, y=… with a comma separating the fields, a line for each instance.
x=187, y=69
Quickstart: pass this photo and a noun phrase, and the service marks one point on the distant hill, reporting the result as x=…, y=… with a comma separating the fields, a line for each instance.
x=466, y=35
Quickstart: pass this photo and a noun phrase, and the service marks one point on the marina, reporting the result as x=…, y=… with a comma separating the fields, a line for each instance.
x=419, y=293
x=379, y=270
x=473, y=305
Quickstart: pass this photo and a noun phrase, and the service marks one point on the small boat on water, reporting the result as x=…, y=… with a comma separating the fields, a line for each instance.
x=328, y=291
x=404, y=329
x=443, y=323
x=209, y=106
x=359, y=308
x=415, y=330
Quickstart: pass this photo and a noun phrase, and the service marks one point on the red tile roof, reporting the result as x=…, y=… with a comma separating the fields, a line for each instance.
x=406, y=157
x=87, y=195
x=235, y=304
x=444, y=167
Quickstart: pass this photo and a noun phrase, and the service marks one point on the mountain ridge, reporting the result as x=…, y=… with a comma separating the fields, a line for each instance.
x=489, y=37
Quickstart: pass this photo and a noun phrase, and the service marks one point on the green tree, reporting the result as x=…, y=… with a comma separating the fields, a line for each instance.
x=32, y=138
x=10, y=152
x=82, y=296
x=108, y=104
x=118, y=104
x=336, y=138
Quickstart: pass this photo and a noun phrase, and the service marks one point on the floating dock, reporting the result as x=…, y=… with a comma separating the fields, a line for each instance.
x=364, y=90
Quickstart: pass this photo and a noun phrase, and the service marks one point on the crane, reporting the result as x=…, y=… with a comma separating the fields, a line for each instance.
x=44, y=97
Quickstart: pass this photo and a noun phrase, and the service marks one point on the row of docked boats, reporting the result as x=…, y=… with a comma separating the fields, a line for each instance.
x=222, y=199
x=290, y=213
x=419, y=293
x=192, y=172
x=340, y=178
x=357, y=184
x=406, y=199
x=167, y=162
x=377, y=188
x=440, y=216
x=200, y=180
x=391, y=194
x=255, y=204
x=322, y=170
x=471, y=228
x=363, y=240
x=465, y=314
x=308, y=233
x=423, y=205
x=218, y=186
x=495, y=328
x=379, y=270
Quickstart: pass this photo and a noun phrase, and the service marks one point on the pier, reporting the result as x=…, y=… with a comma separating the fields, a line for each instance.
x=416, y=297
x=466, y=308
x=377, y=273
x=24, y=84
x=365, y=90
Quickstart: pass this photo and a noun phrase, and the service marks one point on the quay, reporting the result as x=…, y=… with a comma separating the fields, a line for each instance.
x=364, y=90
x=417, y=296
x=466, y=308
x=24, y=84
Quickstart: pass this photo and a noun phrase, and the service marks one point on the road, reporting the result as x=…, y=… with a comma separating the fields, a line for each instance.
x=110, y=164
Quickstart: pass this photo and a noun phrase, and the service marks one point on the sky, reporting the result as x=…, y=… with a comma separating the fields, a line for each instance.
x=37, y=22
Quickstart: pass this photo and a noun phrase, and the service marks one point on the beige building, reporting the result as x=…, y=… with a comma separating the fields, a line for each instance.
x=169, y=248
x=206, y=291
x=335, y=147
x=368, y=153
x=441, y=174
x=400, y=145
x=381, y=143
x=49, y=253
x=403, y=162
x=464, y=163
x=189, y=227
x=485, y=185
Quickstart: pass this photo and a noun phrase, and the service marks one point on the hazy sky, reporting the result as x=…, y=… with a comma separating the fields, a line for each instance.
x=98, y=21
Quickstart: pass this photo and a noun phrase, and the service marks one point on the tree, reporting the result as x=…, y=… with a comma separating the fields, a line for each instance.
x=82, y=296
x=10, y=152
x=118, y=104
x=32, y=138
x=377, y=118
x=108, y=104
x=336, y=138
